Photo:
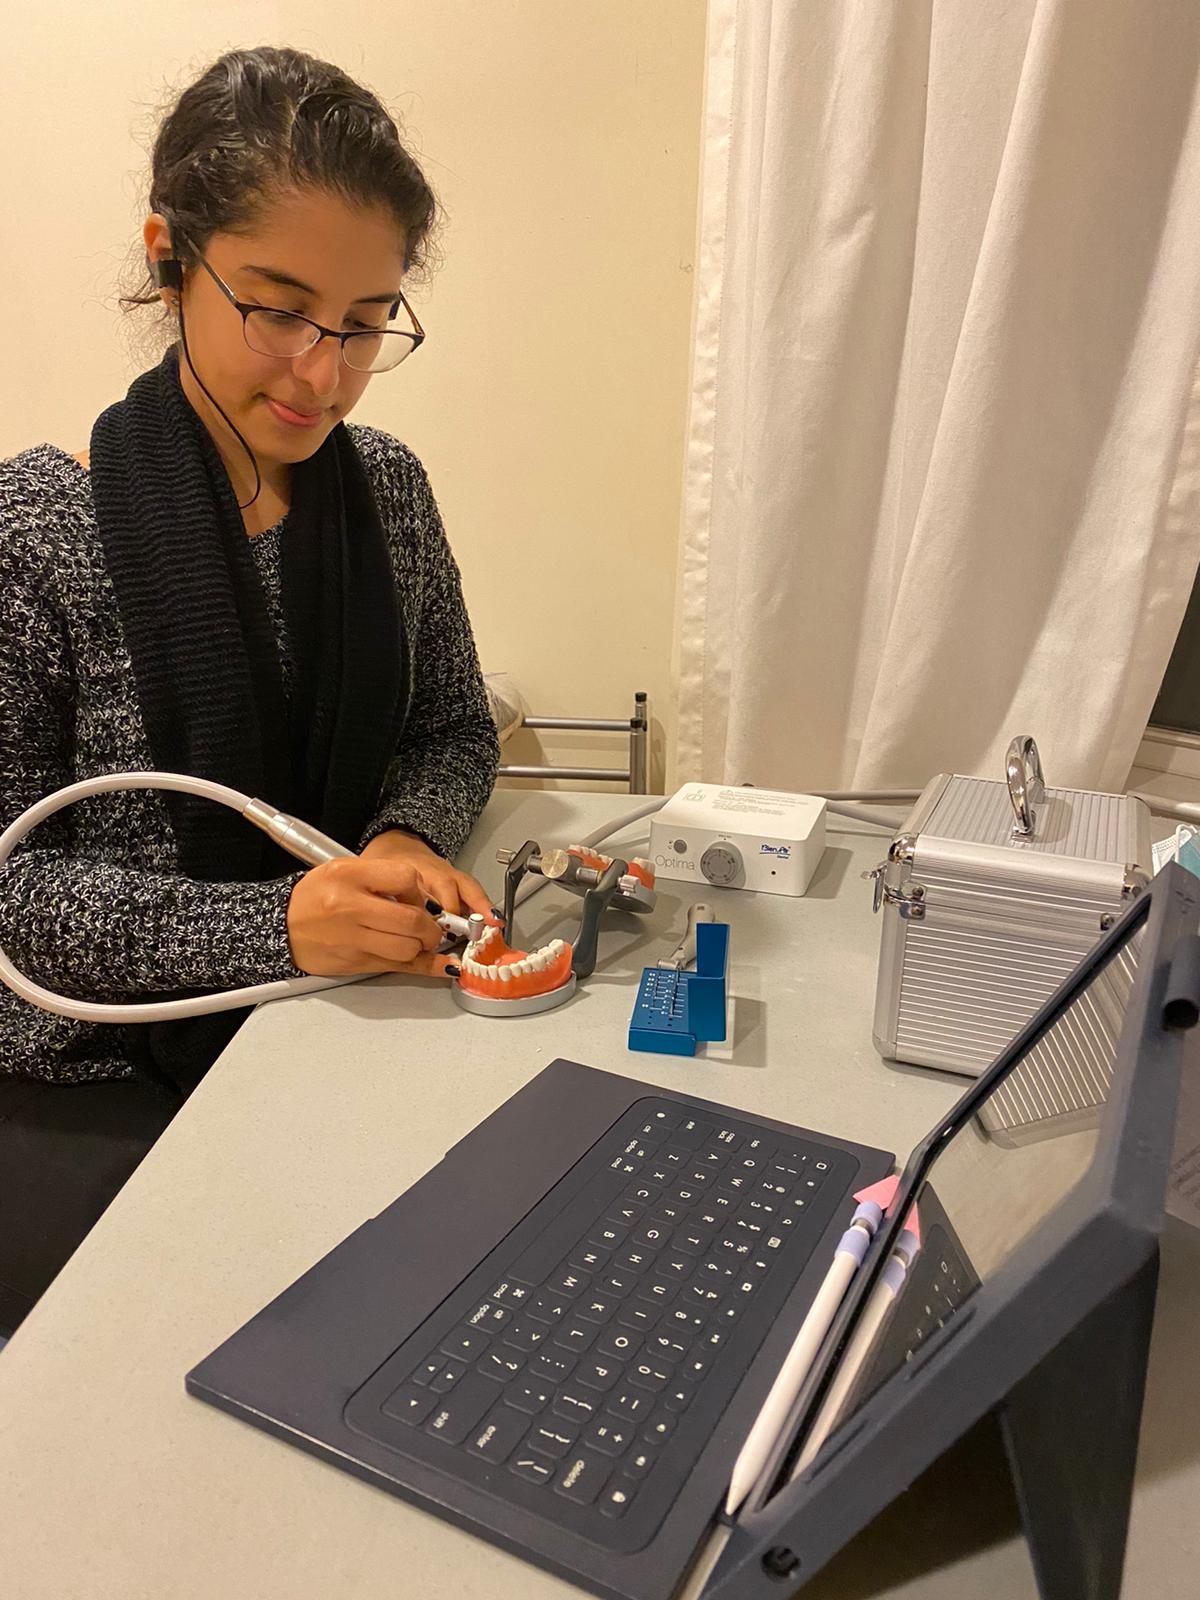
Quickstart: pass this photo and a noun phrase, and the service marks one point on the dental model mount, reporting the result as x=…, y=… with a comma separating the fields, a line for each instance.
x=497, y=979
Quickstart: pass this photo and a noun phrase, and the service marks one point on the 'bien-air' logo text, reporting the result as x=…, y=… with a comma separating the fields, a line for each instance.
x=780, y=851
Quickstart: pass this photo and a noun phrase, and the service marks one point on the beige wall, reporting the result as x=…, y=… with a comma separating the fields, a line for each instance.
x=549, y=402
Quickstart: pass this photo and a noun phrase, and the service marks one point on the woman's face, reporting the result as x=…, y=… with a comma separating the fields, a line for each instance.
x=312, y=253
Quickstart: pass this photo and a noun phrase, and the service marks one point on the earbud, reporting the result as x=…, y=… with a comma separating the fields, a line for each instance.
x=166, y=274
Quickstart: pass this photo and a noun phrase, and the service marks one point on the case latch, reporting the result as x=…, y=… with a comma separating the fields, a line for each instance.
x=910, y=902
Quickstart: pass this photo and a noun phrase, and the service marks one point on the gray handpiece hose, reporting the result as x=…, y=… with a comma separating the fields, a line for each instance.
x=300, y=839
x=684, y=952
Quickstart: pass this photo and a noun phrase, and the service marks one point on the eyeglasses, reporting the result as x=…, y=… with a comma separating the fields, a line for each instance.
x=286, y=334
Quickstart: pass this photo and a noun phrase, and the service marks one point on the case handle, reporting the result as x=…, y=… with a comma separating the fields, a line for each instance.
x=1026, y=786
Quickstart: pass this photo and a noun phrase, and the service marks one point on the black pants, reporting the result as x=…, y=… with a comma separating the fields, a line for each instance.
x=65, y=1151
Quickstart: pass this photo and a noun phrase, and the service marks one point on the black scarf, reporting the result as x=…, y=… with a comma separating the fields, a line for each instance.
x=205, y=659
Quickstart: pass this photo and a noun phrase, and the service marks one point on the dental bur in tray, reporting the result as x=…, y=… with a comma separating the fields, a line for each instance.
x=675, y=1011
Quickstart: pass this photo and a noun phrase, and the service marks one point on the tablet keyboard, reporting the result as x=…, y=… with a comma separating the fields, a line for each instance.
x=581, y=1369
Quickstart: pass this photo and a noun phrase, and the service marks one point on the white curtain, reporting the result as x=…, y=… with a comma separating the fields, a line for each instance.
x=943, y=478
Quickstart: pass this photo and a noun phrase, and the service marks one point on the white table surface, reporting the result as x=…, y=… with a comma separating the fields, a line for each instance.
x=116, y=1485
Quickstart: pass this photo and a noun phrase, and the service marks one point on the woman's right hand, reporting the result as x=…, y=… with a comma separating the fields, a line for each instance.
x=353, y=915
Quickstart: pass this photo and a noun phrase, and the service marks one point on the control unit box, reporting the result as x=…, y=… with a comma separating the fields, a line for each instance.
x=739, y=838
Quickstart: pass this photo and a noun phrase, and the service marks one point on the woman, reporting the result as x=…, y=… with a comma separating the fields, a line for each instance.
x=234, y=584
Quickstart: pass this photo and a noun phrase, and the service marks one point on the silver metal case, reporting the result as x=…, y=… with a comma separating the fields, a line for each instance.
x=991, y=894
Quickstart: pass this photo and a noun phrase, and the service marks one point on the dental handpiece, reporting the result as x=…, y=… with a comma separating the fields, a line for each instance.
x=309, y=844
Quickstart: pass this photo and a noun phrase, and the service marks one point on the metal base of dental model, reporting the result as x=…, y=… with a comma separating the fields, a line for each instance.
x=526, y=1005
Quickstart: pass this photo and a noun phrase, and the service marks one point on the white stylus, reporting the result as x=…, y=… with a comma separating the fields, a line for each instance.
x=860, y=1348
x=797, y=1363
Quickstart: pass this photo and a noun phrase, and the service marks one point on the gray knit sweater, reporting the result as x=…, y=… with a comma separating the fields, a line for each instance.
x=93, y=903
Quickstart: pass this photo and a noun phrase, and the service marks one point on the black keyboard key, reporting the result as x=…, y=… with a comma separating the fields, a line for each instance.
x=690, y=1133
x=727, y=1140
x=696, y=1367
x=608, y=1435
x=660, y=1121
x=639, y=1317
x=663, y=1348
x=659, y=1291
x=626, y=1213
x=770, y=1187
x=445, y=1380
x=716, y=1270
x=511, y=1294
x=577, y=1405
x=528, y=1394
x=704, y=1293
x=608, y=1235
x=678, y=1397
x=599, y=1374
x=489, y=1316
x=684, y=1320
x=698, y=1177
x=569, y=1282
x=576, y=1334
x=499, y=1435
x=549, y=1307
x=533, y=1467
x=751, y=1161
x=641, y=1194
x=653, y=1236
x=674, y=1159
x=692, y=1241
x=660, y=1428
x=582, y=1476
x=677, y=1268
x=526, y=1334
x=465, y=1343
x=636, y=1260
x=552, y=1438
x=616, y=1283
x=410, y=1404
x=649, y=1375
x=712, y=1157
x=501, y=1364
x=459, y=1411
x=429, y=1369
x=635, y=1405
x=668, y=1214
x=553, y=1365
x=596, y=1308
x=619, y=1344
x=618, y=1497
x=639, y=1462
x=588, y=1257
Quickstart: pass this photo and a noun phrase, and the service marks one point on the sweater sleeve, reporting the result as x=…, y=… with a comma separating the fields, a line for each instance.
x=95, y=928
x=445, y=765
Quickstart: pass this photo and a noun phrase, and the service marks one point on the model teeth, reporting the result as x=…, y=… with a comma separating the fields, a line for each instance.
x=536, y=961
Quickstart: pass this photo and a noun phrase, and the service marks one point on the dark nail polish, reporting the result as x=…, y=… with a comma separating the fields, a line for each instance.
x=498, y=914
x=433, y=908
x=451, y=970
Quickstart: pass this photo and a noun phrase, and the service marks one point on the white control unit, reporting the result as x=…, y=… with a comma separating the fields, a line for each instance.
x=739, y=838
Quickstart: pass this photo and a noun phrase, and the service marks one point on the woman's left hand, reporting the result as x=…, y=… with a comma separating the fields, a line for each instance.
x=453, y=890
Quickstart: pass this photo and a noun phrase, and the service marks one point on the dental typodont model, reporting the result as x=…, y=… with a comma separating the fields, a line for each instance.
x=499, y=979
